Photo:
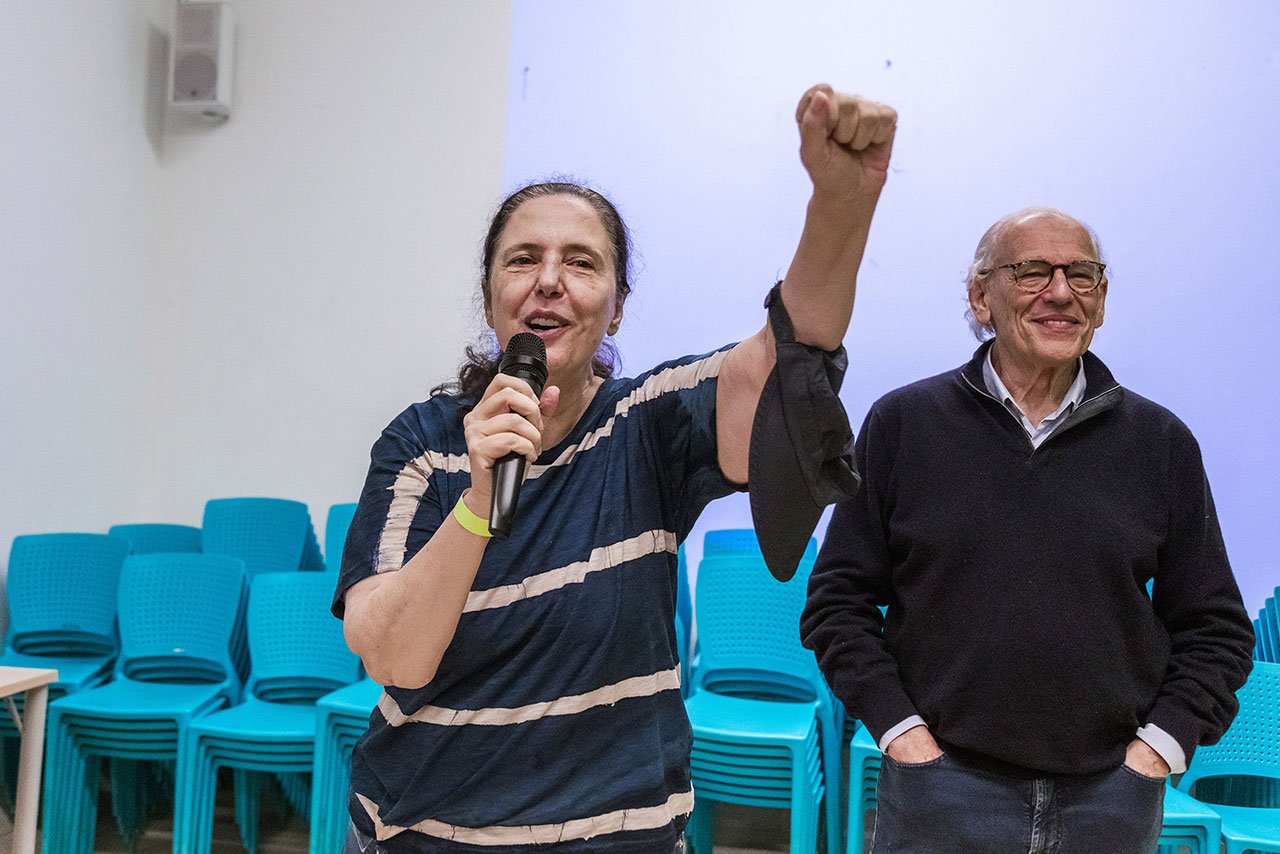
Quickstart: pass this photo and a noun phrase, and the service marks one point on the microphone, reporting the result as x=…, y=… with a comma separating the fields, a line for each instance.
x=526, y=358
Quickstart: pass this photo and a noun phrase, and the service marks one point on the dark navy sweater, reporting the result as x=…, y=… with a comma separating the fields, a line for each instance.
x=1018, y=621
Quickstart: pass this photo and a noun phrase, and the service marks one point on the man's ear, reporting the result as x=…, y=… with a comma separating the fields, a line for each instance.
x=978, y=304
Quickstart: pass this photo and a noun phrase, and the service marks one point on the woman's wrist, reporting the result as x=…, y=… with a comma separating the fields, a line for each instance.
x=472, y=513
x=477, y=501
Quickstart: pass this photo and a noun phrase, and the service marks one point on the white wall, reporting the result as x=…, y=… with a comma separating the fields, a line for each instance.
x=195, y=311
x=76, y=187
x=1158, y=123
x=317, y=252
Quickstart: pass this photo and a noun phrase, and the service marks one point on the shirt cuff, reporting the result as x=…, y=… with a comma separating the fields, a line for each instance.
x=1164, y=744
x=898, y=729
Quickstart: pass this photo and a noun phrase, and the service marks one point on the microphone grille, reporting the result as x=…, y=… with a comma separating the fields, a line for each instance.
x=526, y=344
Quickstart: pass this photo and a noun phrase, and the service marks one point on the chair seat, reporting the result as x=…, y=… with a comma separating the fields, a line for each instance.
x=742, y=720
x=1183, y=814
x=359, y=697
x=126, y=699
x=257, y=720
x=1259, y=825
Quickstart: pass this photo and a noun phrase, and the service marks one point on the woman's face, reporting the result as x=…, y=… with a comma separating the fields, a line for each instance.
x=553, y=275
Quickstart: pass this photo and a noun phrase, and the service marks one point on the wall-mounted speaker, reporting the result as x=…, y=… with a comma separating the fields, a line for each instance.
x=200, y=59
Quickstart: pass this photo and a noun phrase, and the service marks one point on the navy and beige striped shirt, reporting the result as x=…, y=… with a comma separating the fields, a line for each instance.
x=554, y=722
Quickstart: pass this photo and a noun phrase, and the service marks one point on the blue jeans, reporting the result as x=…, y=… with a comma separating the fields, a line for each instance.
x=357, y=843
x=945, y=807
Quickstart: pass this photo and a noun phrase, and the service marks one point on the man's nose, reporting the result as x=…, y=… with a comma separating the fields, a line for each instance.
x=1058, y=290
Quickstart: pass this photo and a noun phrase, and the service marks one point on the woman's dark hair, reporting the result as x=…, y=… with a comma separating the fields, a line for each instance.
x=480, y=365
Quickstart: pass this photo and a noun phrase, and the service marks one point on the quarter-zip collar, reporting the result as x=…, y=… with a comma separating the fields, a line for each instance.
x=1101, y=392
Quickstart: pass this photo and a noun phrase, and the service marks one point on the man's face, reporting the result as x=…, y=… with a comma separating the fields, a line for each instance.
x=1044, y=330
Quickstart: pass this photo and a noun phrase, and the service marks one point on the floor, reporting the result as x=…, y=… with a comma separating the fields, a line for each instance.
x=739, y=830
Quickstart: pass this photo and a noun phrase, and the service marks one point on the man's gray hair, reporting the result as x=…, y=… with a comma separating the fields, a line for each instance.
x=984, y=256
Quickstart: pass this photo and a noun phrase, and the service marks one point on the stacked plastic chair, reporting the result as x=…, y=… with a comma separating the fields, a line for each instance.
x=298, y=655
x=341, y=719
x=684, y=620
x=864, y=777
x=336, y=525
x=766, y=730
x=176, y=615
x=1251, y=747
x=62, y=611
x=151, y=538
x=268, y=534
x=1189, y=824
x=1266, y=644
x=62, y=608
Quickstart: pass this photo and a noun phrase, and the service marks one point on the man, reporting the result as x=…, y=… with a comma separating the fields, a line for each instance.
x=1028, y=693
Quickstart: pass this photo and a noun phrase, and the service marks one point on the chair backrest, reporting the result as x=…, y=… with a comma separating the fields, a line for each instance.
x=177, y=615
x=62, y=593
x=268, y=534
x=736, y=540
x=335, y=534
x=749, y=630
x=296, y=646
x=1251, y=746
x=1271, y=629
x=1264, y=631
x=149, y=538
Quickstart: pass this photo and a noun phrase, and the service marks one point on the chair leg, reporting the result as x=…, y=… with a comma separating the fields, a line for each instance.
x=296, y=788
x=854, y=829
x=195, y=791
x=8, y=773
x=835, y=795
x=70, y=791
x=246, y=784
x=129, y=799
x=701, y=825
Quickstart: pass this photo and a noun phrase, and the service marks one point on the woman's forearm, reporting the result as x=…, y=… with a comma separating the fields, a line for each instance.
x=400, y=623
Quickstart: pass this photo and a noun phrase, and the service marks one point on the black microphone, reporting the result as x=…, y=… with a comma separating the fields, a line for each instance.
x=526, y=358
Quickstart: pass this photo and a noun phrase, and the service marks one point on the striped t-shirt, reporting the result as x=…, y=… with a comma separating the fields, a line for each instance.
x=554, y=722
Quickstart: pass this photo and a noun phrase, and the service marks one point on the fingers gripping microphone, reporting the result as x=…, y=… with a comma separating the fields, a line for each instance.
x=526, y=358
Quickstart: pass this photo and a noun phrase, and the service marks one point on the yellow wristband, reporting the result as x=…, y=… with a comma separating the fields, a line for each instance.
x=477, y=525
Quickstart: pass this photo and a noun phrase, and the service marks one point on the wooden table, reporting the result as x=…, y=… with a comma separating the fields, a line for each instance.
x=35, y=682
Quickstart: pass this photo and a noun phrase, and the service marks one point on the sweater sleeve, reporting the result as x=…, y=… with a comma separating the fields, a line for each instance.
x=1196, y=598
x=842, y=621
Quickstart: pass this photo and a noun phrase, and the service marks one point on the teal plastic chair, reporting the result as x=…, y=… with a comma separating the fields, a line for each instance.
x=176, y=617
x=336, y=525
x=756, y=687
x=1189, y=823
x=341, y=719
x=62, y=609
x=62, y=594
x=1270, y=644
x=268, y=534
x=299, y=655
x=1251, y=747
x=763, y=754
x=684, y=620
x=151, y=538
x=864, y=776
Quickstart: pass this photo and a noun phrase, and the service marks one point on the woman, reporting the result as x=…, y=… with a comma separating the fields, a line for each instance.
x=532, y=700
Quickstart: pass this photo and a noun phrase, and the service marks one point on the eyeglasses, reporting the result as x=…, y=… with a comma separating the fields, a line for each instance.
x=1034, y=275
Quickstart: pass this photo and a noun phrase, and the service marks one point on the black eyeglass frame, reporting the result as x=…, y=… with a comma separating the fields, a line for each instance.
x=1053, y=268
